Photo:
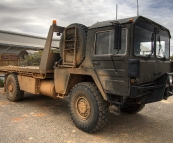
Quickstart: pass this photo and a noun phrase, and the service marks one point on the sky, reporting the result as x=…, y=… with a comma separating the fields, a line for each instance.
x=35, y=16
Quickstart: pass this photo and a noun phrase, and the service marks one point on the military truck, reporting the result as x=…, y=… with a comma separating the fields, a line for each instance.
x=123, y=62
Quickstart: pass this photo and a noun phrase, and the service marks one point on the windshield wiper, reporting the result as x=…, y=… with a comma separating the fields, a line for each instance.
x=160, y=50
x=152, y=46
x=152, y=50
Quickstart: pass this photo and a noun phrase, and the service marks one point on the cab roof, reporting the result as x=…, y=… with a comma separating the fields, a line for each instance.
x=125, y=20
x=109, y=22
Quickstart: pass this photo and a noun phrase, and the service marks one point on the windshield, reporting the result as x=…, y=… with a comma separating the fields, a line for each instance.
x=144, y=41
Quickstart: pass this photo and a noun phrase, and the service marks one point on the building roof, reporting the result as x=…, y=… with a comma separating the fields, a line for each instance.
x=13, y=43
x=144, y=49
x=18, y=39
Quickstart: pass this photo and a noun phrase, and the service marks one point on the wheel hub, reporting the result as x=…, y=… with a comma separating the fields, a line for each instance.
x=83, y=107
x=10, y=87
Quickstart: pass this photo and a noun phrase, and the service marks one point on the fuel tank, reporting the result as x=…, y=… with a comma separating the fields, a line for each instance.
x=47, y=87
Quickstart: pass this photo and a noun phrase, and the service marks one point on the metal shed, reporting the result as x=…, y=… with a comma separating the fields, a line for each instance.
x=15, y=45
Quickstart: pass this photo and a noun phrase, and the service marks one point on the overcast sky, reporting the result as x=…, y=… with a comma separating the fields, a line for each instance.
x=35, y=16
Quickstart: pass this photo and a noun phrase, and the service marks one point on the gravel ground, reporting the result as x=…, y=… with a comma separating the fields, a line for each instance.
x=39, y=119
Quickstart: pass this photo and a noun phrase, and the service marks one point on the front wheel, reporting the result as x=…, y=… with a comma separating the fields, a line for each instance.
x=88, y=109
x=12, y=88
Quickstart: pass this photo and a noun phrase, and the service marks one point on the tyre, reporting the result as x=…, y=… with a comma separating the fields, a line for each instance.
x=81, y=43
x=88, y=109
x=12, y=88
x=132, y=109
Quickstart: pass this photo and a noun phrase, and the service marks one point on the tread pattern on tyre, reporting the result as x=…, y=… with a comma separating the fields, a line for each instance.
x=132, y=109
x=82, y=32
x=102, y=107
x=18, y=94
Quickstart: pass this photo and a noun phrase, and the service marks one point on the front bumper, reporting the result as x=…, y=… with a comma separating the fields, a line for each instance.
x=153, y=91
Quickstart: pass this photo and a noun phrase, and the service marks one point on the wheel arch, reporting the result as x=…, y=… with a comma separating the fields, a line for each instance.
x=76, y=78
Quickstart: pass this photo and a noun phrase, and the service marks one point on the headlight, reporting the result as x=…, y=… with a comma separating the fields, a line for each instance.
x=170, y=79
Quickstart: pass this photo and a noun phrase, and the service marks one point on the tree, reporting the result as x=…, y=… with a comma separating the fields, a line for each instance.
x=33, y=59
x=1, y=82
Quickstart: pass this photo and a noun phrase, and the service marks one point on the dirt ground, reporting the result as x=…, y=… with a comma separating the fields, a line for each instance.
x=39, y=119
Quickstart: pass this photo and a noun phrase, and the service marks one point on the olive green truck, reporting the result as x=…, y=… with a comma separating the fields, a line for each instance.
x=123, y=62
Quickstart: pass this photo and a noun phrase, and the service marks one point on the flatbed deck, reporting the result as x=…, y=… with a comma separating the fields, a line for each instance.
x=23, y=69
x=33, y=69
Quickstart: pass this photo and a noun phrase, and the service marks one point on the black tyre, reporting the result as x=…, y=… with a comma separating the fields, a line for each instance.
x=132, y=109
x=88, y=109
x=81, y=43
x=12, y=88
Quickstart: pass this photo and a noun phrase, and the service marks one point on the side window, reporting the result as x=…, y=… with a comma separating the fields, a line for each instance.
x=105, y=43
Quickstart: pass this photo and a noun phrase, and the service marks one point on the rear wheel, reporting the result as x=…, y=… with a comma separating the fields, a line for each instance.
x=132, y=109
x=12, y=88
x=88, y=109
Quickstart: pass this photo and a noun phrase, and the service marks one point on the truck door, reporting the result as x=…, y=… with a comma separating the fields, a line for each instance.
x=111, y=64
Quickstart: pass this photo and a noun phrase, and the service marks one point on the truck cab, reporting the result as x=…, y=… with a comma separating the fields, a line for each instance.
x=132, y=59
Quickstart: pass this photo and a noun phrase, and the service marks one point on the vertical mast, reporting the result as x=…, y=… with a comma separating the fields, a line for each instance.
x=116, y=10
x=137, y=9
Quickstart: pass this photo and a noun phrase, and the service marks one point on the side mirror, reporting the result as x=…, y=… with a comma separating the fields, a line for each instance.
x=117, y=37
